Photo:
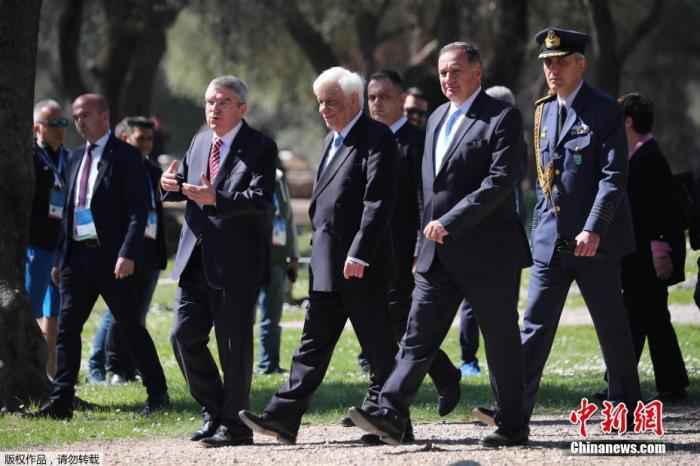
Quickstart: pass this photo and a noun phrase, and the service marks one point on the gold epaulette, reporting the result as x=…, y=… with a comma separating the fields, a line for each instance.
x=544, y=99
x=545, y=174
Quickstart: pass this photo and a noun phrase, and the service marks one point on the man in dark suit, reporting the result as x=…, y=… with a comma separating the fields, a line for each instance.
x=659, y=260
x=473, y=247
x=385, y=96
x=351, y=256
x=581, y=224
x=109, y=352
x=102, y=243
x=227, y=178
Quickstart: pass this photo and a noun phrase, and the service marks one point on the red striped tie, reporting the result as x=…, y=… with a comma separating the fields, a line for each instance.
x=215, y=158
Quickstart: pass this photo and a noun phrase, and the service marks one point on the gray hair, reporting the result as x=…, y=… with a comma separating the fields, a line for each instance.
x=349, y=82
x=42, y=104
x=502, y=93
x=471, y=51
x=237, y=85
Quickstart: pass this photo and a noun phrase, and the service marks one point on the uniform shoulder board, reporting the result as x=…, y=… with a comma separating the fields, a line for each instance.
x=544, y=99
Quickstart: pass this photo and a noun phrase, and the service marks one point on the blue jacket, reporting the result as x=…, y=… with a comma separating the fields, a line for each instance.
x=590, y=176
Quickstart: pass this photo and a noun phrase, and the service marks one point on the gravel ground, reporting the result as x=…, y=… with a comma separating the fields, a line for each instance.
x=680, y=314
x=437, y=443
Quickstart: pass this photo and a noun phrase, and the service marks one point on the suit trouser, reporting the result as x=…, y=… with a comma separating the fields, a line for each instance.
x=696, y=295
x=117, y=357
x=468, y=332
x=83, y=279
x=271, y=301
x=494, y=296
x=469, y=329
x=599, y=281
x=647, y=310
x=232, y=313
x=365, y=305
x=442, y=372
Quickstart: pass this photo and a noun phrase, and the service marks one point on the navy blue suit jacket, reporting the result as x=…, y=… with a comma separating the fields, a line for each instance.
x=351, y=206
x=590, y=180
x=118, y=204
x=236, y=233
x=472, y=193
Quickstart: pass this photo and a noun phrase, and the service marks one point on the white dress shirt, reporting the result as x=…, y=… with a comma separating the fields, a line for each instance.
x=227, y=141
x=443, y=141
x=398, y=124
x=96, y=157
x=344, y=134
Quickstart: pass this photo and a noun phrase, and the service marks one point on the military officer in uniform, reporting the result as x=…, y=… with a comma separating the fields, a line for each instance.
x=582, y=223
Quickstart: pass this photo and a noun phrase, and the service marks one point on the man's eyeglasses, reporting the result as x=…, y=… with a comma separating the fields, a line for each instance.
x=416, y=112
x=55, y=122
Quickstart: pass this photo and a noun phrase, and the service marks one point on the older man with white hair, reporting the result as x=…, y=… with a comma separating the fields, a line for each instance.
x=351, y=256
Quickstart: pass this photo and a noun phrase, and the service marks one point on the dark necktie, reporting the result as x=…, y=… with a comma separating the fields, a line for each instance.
x=85, y=175
x=561, y=120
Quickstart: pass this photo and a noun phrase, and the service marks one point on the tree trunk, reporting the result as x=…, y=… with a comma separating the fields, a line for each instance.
x=611, y=58
x=69, y=30
x=510, y=35
x=22, y=347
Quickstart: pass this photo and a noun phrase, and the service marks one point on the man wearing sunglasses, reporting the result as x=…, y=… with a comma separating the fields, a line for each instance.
x=47, y=211
x=415, y=107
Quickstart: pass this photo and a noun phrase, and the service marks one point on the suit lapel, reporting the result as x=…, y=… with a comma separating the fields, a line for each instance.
x=432, y=134
x=103, y=166
x=570, y=118
x=347, y=148
x=233, y=156
x=463, y=128
x=73, y=174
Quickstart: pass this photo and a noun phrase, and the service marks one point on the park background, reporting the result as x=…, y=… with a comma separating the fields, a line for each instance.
x=156, y=58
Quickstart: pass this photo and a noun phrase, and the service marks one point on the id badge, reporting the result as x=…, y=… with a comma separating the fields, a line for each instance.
x=56, y=203
x=84, y=224
x=151, y=225
x=279, y=232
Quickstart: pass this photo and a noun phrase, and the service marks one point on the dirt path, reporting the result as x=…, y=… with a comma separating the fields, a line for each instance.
x=437, y=444
x=680, y=314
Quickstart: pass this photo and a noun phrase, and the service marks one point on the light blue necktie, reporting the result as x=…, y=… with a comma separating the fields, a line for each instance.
x=446, y=138
x=335, y=146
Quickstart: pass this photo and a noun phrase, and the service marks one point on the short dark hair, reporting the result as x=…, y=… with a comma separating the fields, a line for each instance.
x=128, y=124
x=471, y=51
x=389, y=75
x=640, y=109
x=416, y=92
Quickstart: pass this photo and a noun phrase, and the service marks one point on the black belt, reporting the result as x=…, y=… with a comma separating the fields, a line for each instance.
x=88, y=243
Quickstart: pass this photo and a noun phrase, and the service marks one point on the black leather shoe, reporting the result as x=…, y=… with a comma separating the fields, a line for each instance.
x=674, y=396
x=448, y=398
x=375, y=440
x=600, y=396
x=485, y=415
x=504, y=438
x=267, y=425
x=390, y=428
x=208, y=429
x=81, y=405
x=54, y=410
x=347, y=422
x=155, y=404
x=225, y=438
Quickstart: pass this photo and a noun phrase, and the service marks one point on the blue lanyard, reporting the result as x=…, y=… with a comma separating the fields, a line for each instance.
x=57, y=171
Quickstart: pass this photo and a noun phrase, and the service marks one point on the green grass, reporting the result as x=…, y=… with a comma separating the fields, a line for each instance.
x=574, y=370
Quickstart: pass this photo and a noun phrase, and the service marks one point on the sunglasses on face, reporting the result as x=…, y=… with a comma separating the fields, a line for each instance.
x=55, y=122
x=416, y=112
